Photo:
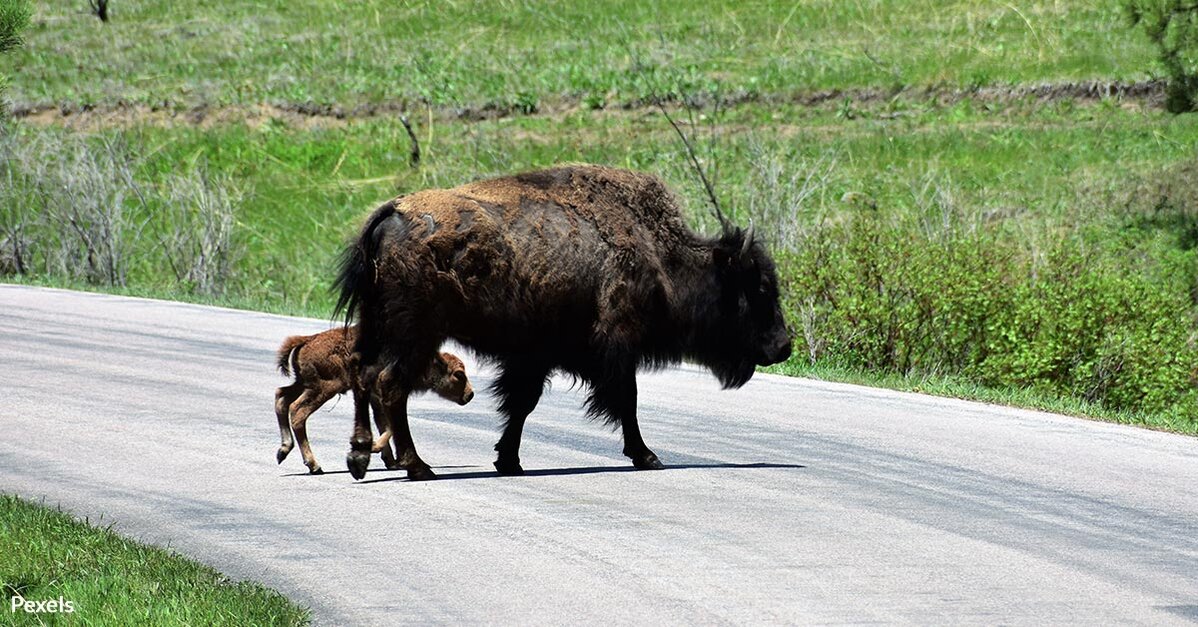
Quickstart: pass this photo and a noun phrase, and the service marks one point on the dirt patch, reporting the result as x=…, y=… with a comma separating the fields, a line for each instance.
x=123, y=115
x=312, y=115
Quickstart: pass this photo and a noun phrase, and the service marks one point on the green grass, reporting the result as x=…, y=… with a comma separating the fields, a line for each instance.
x=46, y=554
x=966, y=389
x=518, y=53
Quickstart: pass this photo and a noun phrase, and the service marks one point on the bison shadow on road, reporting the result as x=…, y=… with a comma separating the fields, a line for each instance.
x=580, y=470
x=541, y=472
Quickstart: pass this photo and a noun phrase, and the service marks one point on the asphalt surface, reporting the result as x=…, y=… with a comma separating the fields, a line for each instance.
x=788, y=501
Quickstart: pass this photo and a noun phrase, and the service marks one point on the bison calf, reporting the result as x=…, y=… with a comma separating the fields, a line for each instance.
x=325, y=366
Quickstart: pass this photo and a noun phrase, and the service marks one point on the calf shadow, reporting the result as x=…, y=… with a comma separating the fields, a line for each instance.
x=580, y=470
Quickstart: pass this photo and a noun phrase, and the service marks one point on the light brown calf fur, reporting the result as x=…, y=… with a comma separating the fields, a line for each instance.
x=325, y=366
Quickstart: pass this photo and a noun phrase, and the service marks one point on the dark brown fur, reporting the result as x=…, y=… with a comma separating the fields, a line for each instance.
x=581, y=269
x=324, y=365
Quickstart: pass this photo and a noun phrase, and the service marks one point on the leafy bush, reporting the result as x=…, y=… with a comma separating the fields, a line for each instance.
x=1087, y=317
x=14, y=17
x=1173, y=26
x=1083, y=326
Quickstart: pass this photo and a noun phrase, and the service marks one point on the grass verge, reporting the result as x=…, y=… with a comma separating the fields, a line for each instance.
x=965, y=389
x=109, y=580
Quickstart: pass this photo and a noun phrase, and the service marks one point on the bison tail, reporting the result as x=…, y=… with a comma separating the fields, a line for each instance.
x=285, y=361
x=357, y=263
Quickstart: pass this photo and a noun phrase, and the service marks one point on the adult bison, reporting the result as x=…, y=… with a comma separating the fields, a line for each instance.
x=581, y=269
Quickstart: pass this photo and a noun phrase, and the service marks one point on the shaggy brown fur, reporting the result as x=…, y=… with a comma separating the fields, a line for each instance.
x=325, y=366
x=582, y=269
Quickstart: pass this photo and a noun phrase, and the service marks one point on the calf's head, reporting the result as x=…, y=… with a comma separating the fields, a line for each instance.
x=447, y=377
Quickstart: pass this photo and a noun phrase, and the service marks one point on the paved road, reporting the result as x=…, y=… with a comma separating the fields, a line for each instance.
x=788, y=501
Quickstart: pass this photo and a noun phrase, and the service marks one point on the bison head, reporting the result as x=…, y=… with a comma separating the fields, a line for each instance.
x=746, y=327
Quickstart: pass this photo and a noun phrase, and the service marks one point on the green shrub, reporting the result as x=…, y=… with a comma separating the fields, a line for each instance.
x=1081, y=325
x=14, y=17
x=1087, y=318
x=1173, y=26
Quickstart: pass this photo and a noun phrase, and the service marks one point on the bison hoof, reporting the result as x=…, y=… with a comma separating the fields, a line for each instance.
x=647, y=462
x=509, y=468
x=393, y=465
x=421, y=473
x=357, y=461
x=281, y=454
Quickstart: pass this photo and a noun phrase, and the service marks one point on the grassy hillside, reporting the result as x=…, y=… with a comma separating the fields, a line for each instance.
x=943, y=220
x=519, y=53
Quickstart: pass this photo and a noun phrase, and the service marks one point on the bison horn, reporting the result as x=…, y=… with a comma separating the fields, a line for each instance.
x=744, y=250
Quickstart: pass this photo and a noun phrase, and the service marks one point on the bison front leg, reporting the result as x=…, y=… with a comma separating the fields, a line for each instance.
x=393, y=389
x=615, y=397
x=395, y=407
x=396, y=410
x=519, y=388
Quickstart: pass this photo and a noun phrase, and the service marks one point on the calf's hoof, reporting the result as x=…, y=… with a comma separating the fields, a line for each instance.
x=509, y=468
x=647, y=461
x=316, y=471
x=421, y=473
x=281, y=454
x=357, y=461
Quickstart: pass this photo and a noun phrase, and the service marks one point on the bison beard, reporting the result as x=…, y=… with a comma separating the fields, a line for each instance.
x=585, y=270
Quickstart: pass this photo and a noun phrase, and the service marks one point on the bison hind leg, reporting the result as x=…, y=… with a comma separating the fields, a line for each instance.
x=362, y=440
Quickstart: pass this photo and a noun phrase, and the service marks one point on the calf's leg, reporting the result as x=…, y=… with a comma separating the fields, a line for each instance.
x=301, y=409
x=383, y=443
x=284, y=397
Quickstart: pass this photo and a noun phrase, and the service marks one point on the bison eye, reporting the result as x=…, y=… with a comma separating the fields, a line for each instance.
x=458, y=376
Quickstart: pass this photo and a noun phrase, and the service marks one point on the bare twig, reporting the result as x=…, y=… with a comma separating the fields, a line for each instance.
x=414, y=155
x=99, y=9
x=694, y=159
